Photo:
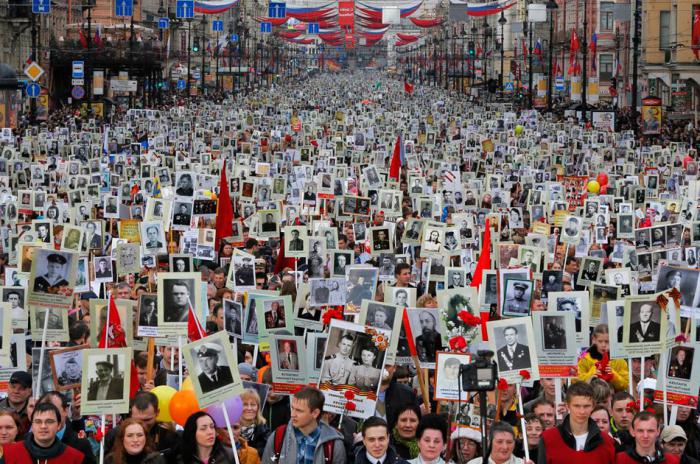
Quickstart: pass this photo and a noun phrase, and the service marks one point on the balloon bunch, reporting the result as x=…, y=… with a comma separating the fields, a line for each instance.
x=600, y=185
x=177, y=406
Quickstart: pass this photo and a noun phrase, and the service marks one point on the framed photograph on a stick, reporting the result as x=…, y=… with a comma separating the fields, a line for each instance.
x=680, y=376
x=513, y=342
x=213, y=369
x=52, y=278
x=577, y=303
x=557, y=349
x=447, y=377
x=386, y=317
x=289, y=363
x=67, y=367
x=353, y=360
x=56, y=321
x=176, y=292
x=106, y=380
x=644, y=324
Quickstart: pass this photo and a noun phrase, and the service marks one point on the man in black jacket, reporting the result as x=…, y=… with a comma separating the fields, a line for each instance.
x=375, y=444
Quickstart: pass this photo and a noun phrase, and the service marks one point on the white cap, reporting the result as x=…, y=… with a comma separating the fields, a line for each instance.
x=466, y=432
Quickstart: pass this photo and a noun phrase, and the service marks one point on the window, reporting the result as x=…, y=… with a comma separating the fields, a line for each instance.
x=607, y=14
x=664, y=30
x=605, y=67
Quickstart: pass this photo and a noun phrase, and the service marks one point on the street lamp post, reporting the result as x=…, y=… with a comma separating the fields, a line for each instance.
x=527, y=31
x=552, y=7
x=502, y=21
x=203, y=47
x=189, y=53
x=584, y=45
x=484, y=59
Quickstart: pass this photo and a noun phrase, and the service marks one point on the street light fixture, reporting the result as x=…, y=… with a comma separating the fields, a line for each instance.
x=552, y=8
x=502, y=21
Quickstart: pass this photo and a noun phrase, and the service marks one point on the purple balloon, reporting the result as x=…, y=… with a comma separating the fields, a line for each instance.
x=234, y=408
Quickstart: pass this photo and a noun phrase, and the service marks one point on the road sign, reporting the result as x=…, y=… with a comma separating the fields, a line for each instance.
x=33, y=71
x=123, y=8
x=184, y=9
x=313, y=28
x=33, y=90
x=509, y=87
x=559, y=84
x=77, y=81
x=217, y=25
x=163, y=23
x=265, y=27
x=181, y=84
x=77, y=92
x=78, y=70
x=277, y=10
x=41, y=6
x=233, y=37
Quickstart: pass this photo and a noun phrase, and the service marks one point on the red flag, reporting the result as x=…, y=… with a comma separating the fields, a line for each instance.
x=524, y=47
x=113, y=336
x=574, y=45
x=224, y=211
x=484, y=262
x=194, y=327
x=408, y=87
x=695, y=36
x=409, y=335
x=83, y=39
x=395, y=169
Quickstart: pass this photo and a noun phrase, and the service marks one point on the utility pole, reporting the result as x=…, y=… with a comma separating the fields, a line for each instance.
x=552, y=7
x=584, y=46
x=502, y=21
x=617, y=64
x=204, y=51
x=32, y=101
x=636, y=41
x=189, y=53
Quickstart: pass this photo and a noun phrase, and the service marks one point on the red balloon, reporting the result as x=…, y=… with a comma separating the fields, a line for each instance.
x=603, y=189
x=182, y=405
x=602, y=179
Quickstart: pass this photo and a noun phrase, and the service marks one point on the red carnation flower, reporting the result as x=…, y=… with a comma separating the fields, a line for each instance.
x=502, y=384
x=525, y=374
x=349, y=395
x=350, y=406
x=458, y=343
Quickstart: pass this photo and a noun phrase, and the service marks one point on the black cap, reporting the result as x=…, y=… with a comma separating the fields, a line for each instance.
x=56, y=258
x=21, y=377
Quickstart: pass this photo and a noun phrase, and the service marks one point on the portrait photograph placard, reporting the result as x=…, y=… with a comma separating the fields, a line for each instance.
x=447, y=376
x=67, y=367
x=517, y=297
x=453, y=301
x=274, y=314
x=98, y=319
x=148, y=315
x=233, y=317
x=176, y=292
x=288, y=363
x=16, y=297
x=513, y=342
x=213, y=369
x=555, y=340
x=578, y=303
x=353, y=360
x=427, y=334
x=56, y=323
x=386, y=317
x=52, y=278
x=315, y=348
x=681, y=376
x=241, y=274
x=644, y=325
x=296, y=243
x=106, y=380
x=400, y=296
x=5, y=330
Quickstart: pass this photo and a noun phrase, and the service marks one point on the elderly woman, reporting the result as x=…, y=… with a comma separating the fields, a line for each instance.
x=254, y=429
x=465, y=445
x=502, y=440
x=403, y=436
x=432, y=440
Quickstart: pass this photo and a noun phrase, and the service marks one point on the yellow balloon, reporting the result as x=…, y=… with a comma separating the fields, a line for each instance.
x=187, y=384
x=164, y=394
x=593, y=186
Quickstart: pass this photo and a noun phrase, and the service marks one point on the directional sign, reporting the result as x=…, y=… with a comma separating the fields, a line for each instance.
x=123, y=8
x=78, y=70
x=41, y=6
x=77, y=82
x=313, y=28
x=33, y=71
x=184, y=9
x=181, y=84
x=163, y=23
x=77, y=92
x=277, y=10
x=509, y=87
x=265, y=27
x=217, y=25
x=559, y=84
x=33, y=90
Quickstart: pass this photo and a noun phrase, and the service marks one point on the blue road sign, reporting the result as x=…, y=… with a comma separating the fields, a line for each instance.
x=78, y=92
x=509, y=87
x=559, y=84
x=217, y=25
x=123, y=8
x=163, y=23
x=41, y=6
x=313, y=28
x=277, y=10
x=265, y=27
x=233, y=37
x=78, y=70
x=185, y=9
x=181, y=84
x=33, y=90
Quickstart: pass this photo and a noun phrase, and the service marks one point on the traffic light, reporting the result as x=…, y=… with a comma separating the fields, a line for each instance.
x=472, y=52
x=613, y=82
x=195, y=45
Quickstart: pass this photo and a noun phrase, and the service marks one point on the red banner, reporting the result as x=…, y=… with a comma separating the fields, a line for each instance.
x=349, y=41
x=346, y=15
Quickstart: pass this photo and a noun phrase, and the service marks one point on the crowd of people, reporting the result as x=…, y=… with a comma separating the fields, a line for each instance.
x=445, y=225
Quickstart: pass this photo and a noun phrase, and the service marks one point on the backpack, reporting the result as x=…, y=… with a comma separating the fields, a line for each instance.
x=280, y=433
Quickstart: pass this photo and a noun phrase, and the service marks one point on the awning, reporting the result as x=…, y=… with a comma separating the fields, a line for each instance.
x=664, y=76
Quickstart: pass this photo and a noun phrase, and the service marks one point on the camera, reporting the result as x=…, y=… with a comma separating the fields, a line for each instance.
x=480, y=374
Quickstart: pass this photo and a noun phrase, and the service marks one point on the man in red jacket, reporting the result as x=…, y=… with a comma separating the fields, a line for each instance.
x=577, y=440
x=645, y=430
x=41, y=444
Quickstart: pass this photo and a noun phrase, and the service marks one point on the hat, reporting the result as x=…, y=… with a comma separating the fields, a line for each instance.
x=520, y=286
x=207, y=350
x=246, y=369
x=56, y=258
x=21, y=377
x=107, y=363
x=672, y=432
x=466, y=432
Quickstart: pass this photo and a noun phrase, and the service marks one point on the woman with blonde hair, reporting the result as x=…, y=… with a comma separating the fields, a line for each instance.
x=254, y=429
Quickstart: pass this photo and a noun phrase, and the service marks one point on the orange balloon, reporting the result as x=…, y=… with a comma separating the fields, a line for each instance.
x=182, y=405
